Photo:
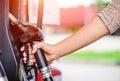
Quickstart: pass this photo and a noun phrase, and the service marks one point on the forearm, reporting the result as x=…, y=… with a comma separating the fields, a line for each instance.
x=86, y=35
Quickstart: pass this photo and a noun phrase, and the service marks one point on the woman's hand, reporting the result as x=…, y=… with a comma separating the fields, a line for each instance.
x=49, y=51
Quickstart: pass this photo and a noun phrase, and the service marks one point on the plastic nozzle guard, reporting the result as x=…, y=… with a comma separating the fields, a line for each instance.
x=29, y=33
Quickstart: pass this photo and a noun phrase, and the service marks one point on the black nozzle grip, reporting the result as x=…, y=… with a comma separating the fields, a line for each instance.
x=40, y=57
x=43, y=65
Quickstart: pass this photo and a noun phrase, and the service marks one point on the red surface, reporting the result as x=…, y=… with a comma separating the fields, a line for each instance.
x=54, y=72
x=77, y=16
x=39, y=76
x=72, y=16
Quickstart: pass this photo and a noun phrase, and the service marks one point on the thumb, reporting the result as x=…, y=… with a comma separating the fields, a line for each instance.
x=36, y=47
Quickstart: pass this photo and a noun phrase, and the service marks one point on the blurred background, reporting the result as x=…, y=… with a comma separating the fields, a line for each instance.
x=99, y=61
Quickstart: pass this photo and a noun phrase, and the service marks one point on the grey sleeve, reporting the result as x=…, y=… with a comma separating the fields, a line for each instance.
x=111, y=15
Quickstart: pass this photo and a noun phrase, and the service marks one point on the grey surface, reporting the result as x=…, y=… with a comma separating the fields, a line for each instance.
x=76, y=71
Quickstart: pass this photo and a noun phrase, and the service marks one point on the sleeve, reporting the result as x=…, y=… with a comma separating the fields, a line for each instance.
x=111, y=15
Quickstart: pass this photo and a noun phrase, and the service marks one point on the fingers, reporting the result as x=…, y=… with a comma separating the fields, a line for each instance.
x=28, y=58
x=31, y=53
x=22, y=48
x=31, y=58
x=34, y=49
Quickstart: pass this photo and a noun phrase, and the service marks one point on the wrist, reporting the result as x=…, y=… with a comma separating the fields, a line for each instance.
x=57, y=52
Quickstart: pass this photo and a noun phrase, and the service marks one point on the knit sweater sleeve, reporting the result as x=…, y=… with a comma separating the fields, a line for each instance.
x=111, y=15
